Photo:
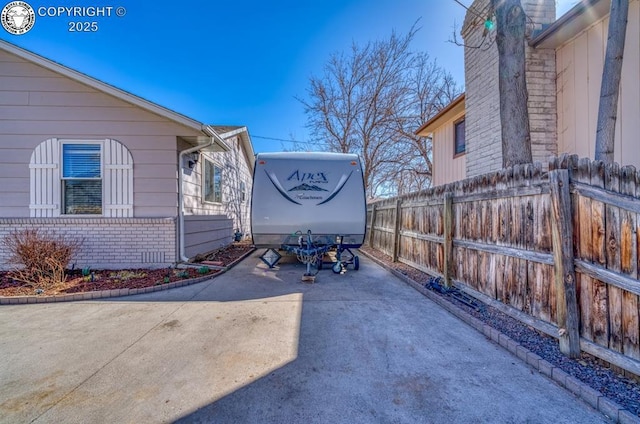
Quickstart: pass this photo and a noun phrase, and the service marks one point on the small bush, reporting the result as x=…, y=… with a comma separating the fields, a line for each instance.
x=41, y=257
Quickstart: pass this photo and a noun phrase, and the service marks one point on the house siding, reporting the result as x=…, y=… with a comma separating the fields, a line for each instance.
x=446, y=166
x=204, y=233
x=235, y=169
x=579, y=75
x=107, y=243
x=483, y=129
x=39, y=104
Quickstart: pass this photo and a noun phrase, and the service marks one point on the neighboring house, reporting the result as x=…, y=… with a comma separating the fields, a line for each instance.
x=447, y=132
x=564, y=62
x=141, y=185
x=579, y=39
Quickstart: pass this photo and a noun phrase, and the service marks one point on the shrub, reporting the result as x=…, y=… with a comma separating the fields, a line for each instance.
x=41, y=257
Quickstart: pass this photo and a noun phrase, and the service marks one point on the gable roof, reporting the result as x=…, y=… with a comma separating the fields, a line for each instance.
x=77, y=76
x=227, y=131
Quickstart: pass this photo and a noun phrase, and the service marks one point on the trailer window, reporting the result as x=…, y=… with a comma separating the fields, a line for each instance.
x=212, y=182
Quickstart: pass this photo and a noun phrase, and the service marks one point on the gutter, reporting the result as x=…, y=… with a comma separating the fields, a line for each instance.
x=584, y=13
x=213, y=138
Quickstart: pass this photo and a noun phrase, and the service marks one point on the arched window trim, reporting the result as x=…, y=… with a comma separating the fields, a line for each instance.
x=46, y=183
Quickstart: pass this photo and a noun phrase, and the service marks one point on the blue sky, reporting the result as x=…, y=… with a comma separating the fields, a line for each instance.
x=240, y=62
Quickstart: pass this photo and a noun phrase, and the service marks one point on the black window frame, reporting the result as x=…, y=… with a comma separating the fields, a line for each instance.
x=459, y=149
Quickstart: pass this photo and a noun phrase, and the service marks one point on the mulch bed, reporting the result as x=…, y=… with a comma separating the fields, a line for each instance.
x=97, y=280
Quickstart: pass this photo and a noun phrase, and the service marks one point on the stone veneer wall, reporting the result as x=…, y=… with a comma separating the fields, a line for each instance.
x=483, y=132
x=108, y=243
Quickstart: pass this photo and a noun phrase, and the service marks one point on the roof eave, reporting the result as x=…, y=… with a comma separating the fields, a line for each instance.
x=571, y=23
x=424, y=130
x=247, y=146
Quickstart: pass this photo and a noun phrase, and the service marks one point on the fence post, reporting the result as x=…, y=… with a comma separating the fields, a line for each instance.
x=448, y=238
x=396, y=231
x=373, y=220
x=565, y=277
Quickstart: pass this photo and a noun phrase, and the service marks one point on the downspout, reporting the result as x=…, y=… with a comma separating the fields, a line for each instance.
x=212, y=138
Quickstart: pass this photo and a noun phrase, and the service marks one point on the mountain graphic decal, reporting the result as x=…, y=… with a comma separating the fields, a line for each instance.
x=307, y=187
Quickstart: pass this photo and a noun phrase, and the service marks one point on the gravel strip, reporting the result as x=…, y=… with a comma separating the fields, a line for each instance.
x=588, y=369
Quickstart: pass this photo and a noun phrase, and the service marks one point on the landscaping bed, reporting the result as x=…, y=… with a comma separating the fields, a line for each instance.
x=88, y=280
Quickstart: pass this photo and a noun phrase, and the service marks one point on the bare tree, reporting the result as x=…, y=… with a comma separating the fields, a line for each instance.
x=514, y=114
x=610, y=87
x=370, y=103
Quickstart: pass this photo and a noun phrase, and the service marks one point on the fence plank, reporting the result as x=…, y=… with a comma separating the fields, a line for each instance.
x=373, y=221
x=396, y=230
x=582, y=236
x=448, y=239
x=599, y=296
x=612, y=220
x=629, y=263
x=562, y=230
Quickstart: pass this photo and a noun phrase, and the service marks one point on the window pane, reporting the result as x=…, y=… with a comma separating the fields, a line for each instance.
x=208, y=181
x=81, y=161
x=82, y=197
x=217, y=184
x=212, y=183
x=460, y=140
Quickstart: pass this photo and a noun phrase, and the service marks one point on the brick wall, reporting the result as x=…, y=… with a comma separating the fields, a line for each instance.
x=108, y=243
x=483, y=132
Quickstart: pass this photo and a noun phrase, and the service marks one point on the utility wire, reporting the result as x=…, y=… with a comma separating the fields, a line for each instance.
x=288, y=141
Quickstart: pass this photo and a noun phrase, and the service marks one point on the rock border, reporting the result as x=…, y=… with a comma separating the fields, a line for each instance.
x=592, y=397
x=102, y=294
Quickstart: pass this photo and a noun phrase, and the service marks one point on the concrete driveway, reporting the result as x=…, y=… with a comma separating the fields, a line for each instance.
x=258, y=346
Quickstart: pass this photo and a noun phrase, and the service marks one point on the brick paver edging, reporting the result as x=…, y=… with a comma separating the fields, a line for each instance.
x=101, y=294
x=594, y=398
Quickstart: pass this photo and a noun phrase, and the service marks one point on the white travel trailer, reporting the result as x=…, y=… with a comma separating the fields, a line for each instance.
x=308, y=200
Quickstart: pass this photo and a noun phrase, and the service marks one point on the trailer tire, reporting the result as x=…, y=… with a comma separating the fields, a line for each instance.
x=337, y=268
x=356, y=263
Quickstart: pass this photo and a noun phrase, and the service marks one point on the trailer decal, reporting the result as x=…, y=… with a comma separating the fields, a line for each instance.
x=313, y=178
x=278, y=186
x=341, y=183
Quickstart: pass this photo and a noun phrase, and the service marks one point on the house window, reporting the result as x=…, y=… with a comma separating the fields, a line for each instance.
x=243, y=191
x=81, y=179
x=460, y=144
x=89, y=177
x=212, y=182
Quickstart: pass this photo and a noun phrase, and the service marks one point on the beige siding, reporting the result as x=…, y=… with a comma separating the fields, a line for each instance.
x=579, y=68
x=37, y=104
x=235, y=169
x=446, y=167
x=204, y=233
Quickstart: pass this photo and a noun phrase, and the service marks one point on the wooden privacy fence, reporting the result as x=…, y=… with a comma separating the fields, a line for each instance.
x=557, y=250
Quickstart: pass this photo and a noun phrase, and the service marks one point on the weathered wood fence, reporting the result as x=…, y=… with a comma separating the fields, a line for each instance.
x=557, y=250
